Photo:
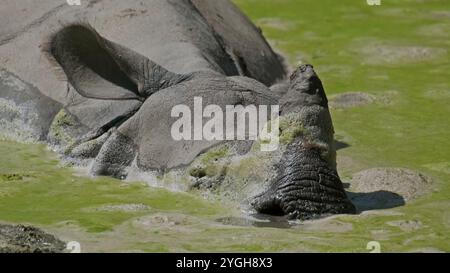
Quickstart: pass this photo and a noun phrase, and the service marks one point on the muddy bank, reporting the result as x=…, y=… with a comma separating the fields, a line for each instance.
x=27, y=239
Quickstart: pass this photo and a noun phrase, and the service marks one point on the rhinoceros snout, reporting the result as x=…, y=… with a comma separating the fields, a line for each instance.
x=305, y=188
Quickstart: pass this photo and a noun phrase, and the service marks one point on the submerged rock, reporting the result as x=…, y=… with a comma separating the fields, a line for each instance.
x=387, y=187
x=380, y=53
x=120, y=208
x=351, y=99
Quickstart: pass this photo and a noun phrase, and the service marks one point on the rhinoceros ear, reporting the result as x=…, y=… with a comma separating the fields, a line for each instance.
x=100, y=69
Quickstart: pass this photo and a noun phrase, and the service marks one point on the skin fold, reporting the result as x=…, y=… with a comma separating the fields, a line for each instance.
x=307, y=184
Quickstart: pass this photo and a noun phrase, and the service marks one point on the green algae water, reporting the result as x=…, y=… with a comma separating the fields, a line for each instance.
x=109, y=215
x=398, y=52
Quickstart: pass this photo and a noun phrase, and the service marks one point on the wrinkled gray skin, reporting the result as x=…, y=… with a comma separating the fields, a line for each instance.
x=307, y=184
x=101, y=85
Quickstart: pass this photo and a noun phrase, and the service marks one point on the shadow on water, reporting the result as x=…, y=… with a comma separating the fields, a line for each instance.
x=339, y=145
x=378, y=200
x=375, y=200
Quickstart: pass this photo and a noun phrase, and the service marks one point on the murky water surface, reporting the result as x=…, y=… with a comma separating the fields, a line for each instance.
x=398, y=53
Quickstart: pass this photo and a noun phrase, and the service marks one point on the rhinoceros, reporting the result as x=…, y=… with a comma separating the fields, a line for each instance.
x=98, y=81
